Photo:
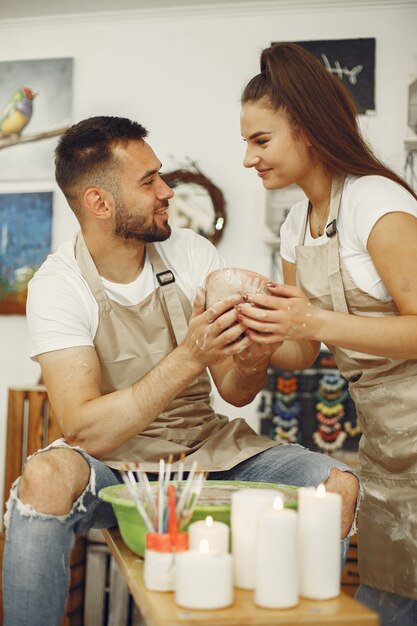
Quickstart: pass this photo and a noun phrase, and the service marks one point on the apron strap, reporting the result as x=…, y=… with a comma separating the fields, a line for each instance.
x=334, y=271
x=335, y=276
x=89, y=269
x=169, y=290
x=165, y=278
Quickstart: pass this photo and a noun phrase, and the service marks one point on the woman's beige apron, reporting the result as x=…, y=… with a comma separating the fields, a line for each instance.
x=385, y=394
x=130, y=341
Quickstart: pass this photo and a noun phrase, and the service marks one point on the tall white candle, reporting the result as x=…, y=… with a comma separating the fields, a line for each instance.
x=319, y=542
x=247, y=506
x=203, y=579
x=277, y=562
x=216, y=533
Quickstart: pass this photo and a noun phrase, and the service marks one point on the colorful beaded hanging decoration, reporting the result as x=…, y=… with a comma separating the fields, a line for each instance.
x=266, y=402
x=286, y=409
x=331, y=395
x=267, y=397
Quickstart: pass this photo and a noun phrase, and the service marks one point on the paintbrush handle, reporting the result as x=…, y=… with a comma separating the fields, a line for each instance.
x=139, y=506
x=172, y=512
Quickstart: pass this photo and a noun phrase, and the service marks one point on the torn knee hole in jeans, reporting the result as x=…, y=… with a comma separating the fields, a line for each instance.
x=27, y=510
x=354, y=526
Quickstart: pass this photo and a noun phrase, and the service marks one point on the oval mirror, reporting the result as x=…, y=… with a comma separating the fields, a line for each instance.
x=198, y=204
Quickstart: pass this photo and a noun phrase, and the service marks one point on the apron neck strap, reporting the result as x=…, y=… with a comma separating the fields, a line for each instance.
x=169, y=290
x=334, y=270
x=89, y=269
x=165, y=277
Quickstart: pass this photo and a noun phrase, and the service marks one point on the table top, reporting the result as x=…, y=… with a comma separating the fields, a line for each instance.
x=159, y=609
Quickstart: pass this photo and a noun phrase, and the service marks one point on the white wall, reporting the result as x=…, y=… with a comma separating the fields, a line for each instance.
x=180, y=74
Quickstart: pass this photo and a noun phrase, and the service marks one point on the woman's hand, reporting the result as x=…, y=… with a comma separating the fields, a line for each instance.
x=215, y=333
x=285, y=314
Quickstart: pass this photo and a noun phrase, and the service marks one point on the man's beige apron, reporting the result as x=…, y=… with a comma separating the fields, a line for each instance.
x=385, y=394
x=130, y=341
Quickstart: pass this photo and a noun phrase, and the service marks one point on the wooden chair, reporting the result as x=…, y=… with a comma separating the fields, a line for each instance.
x=98, y=594
x=31, y=424
x=350, y=574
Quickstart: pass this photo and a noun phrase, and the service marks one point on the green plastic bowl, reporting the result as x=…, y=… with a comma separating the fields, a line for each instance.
x=214, y=500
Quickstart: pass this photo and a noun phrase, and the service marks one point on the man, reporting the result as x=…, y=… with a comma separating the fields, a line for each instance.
x=124, y=360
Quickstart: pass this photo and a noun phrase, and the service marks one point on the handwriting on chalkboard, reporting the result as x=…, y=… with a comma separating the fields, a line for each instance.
x=355, y=66
x=342, y=71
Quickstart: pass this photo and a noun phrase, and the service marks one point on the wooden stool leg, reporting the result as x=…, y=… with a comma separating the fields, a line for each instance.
x=119, y=597
x=95, y=587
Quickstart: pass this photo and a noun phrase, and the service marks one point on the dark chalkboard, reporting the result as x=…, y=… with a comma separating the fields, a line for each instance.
x=351, y=60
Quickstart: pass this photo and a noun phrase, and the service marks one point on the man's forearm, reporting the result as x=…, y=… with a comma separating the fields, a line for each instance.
x=295, y=355
x=101, y=423
x=109, y=421
x=241, y=382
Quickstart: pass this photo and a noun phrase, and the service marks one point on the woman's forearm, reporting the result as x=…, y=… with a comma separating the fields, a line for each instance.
x=393, y=337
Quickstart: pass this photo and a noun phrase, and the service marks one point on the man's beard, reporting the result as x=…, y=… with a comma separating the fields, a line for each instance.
x=135, y=227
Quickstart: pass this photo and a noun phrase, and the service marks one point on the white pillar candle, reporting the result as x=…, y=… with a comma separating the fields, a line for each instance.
x=277, y=562
x=203, y=579
x=216, y=533
x=320, y=515
x=247, y=506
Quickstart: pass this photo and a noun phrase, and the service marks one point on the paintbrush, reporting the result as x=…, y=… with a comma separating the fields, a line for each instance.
x=161, y=496
x=172, y=512
x=146, y=490
x=191, y=501
x=185, y=491
x=131, y=486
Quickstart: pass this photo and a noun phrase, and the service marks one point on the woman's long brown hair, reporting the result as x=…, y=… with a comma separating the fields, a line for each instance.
x=293, y=79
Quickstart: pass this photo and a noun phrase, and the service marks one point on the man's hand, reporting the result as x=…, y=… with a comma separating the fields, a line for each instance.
x=215, y=334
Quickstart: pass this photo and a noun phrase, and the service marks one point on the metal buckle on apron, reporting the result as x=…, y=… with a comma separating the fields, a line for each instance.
x=331, y=229
x=165, y=278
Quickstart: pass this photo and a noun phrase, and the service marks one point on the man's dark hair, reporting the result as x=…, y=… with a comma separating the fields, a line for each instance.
x=84, y=154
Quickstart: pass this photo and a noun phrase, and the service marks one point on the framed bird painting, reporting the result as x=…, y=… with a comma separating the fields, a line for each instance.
x=35, y=109
x=25, y=241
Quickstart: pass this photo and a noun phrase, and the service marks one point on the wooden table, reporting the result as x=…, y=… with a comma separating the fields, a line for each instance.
x=159, y=609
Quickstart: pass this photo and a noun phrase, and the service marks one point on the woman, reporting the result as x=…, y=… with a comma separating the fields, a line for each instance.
x=349, y=256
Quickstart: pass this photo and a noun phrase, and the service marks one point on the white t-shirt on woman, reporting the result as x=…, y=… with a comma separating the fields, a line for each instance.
x=365, y=200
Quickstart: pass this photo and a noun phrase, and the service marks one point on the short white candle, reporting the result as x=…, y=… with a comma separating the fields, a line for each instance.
x=277, y=562
x=216, y=533
x=159, y=570
x=247, y=506
x=319, y=542
x=203, y=579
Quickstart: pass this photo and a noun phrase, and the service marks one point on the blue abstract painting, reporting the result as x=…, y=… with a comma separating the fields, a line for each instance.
x=25, y=242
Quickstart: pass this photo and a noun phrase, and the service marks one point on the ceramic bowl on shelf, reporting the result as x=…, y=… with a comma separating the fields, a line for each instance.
x=214, y=500
x=230, y=280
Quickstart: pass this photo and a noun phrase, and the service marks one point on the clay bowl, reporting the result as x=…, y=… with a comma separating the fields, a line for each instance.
x=223, y=283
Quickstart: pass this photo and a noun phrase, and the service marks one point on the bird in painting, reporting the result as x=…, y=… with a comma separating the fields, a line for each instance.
x=17, y=113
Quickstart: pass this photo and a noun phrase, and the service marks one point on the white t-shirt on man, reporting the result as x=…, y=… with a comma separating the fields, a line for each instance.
x=62, y=311
x=365, y=200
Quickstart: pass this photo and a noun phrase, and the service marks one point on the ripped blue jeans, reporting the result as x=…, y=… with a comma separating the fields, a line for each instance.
x=38, y=546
